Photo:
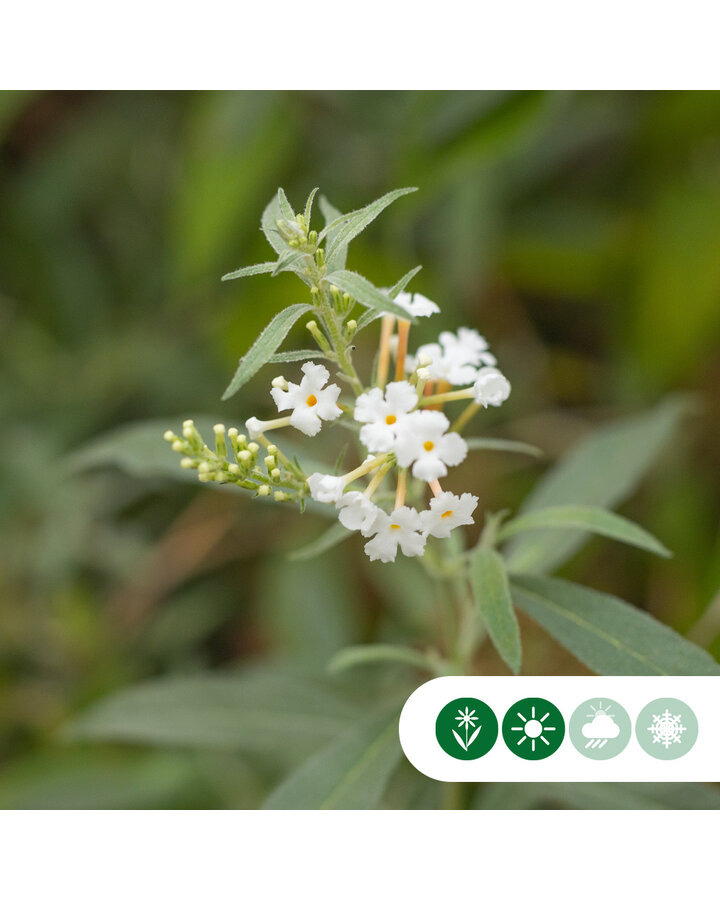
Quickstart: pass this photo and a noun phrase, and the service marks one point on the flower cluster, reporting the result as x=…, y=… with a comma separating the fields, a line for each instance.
x=402, y=423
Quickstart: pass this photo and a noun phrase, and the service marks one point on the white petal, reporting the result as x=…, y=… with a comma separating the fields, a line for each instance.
x=325, y=488
x=381, y=547
x=316, y=376
x=412, y=543
x=377, y=437
x=304, y=419
x=282, y=399
x=429, y=467
x=326, y=406
x=452, y=448
x=401, y=396
x=369, y=406
x=254, y=427
x=491, y=387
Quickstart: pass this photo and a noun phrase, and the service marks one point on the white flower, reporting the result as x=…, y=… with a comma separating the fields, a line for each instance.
x=455, y=358
x=310, y=401
x=358, y=513
x=254, y=427
x=447, y=511
x=326, y=488
x=384, y=415
x=491, y=388
x=416, y=304
x=423, y=441
x=399, y=529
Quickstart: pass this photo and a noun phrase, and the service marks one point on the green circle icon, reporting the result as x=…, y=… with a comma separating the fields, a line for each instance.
x=600, y=728
x=533, y=728
x=666, y=728
x=466, y=728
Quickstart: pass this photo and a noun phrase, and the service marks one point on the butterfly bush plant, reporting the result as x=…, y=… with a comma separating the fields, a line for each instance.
x=410, y=413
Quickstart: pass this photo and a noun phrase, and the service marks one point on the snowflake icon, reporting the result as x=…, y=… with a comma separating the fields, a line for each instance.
x=667, y=729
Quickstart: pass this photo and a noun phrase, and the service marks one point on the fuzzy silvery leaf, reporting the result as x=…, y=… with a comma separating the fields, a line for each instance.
x=245, y=271
x=266, y=344
x=361, y=290
x=602, y=470
x=330, y=214
x=609, y=636
x=286, y=211
x=343, y=229
x=288, y=259
x=585, y=518
x=491, y=590
x=403, y=282
x=268, y=223
x=373, y=654
x=484, y=443
x=287, y=356
x=349, y=772
x=309, y=206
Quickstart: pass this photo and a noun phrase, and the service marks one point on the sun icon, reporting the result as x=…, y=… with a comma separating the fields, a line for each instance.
x=533, y=728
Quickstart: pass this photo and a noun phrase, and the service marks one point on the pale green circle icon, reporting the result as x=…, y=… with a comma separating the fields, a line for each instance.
x=666, y=728
x=600, y=728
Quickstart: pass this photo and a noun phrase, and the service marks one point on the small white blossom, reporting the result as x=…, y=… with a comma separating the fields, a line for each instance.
x=491, y=388
x=447, y=511
x=423, y=442
x=416, y=304
x=326, y=488
x=399, y=529
x=310, y=401
x=384, y=415
x=455, y=358
x=358, y=513
x=254, y=427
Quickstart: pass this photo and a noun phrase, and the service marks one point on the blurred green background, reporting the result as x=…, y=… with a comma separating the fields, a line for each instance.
x=580, y=232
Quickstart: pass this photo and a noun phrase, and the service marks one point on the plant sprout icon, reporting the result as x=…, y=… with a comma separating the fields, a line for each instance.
x=468, y=719
x=533, y=729
x=602, y=728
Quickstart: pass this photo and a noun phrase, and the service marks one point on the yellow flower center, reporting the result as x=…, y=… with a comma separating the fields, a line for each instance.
x=428, y=445
x=390, y=420
x=395, y=527
x=446, y=514
x=311, y=400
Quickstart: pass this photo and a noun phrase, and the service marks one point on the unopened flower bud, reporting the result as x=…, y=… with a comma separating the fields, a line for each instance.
x=245, y=457
x=170, y=436
x=178, y=446
x=187, y=463
x=253, y=447
x=280, y=496
x=204, y=468
x=203, y=476
x=263, y=490
x=424, y=360
x=320, y=339
x=272, y=448
x=280, y=382
x=275, y=474
x=234, y=469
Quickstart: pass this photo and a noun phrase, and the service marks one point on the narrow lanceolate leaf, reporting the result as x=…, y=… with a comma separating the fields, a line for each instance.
x=350, y=772
x=403, y=282
x=607, y=635
x=288, y=259
x=372, y=654
x=492, y=594
x=480, y=443
x=343, y=229
x=259, y=269
x=330, y=214
x=264, y=347
x=602, y=470
x=363, y=291
x=268, y=223
x=583, y=518
x=334, y=535
x=309, y=205
x=284, y=205
x=261, y=710
x=368, y=317
x=286, y=356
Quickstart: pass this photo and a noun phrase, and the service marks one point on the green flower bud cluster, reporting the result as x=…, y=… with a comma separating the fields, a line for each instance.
x=235, y=460
x=296, y=234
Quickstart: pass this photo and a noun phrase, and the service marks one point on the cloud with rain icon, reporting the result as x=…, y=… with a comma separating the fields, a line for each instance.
x=601, y=729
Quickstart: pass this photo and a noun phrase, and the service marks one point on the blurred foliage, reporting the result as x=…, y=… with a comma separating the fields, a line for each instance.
x=579, y=231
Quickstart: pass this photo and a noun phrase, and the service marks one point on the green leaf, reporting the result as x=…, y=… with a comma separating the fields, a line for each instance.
x=286, y=210
x=484, y=443
x=403, y=282
x=602, y=470
x=584, y=518
x=264, y=347
x=607, y=635
x=334, y=535
x=492, y=594
x=270, y=215
x=364, y=292
x=309, y=205
x=296, y=356
x=330, y=214
x=259, y=269
x=350, y=772
x=281, y=713
x=287, y=260
x=345, y=228
x=367, y=318
x=371, y=654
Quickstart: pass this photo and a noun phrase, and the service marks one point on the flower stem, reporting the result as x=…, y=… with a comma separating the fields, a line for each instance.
x=403, y=334
x=401, y=488
x=470, y=410
x=465, y=394
x=383, y=366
